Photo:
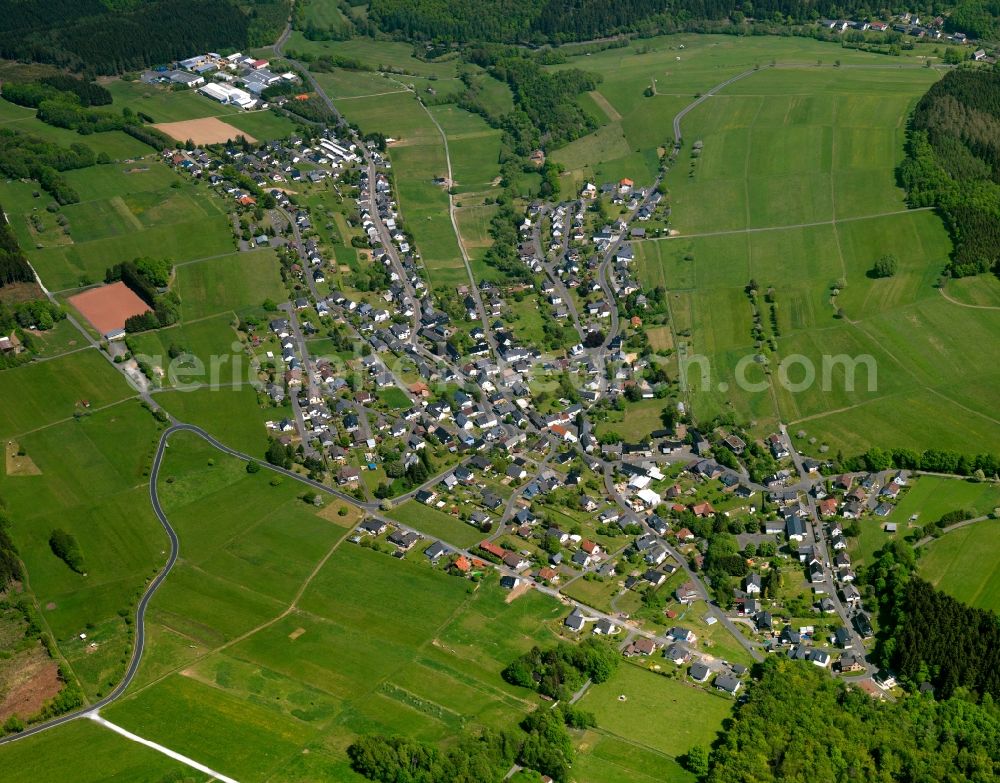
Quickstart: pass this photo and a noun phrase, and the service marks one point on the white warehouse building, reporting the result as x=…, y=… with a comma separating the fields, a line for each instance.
x=224, y=93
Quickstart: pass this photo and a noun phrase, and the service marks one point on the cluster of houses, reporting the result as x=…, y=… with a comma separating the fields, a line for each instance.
x=905, y=24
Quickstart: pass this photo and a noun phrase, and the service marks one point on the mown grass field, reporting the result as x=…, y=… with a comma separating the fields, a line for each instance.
x=795, y=189
x=693, y=716
x=274, y=639
x=100, y=497
x=966, y=564
x=232, y=283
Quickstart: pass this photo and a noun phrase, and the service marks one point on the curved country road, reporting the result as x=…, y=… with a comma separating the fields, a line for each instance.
x=140, y=614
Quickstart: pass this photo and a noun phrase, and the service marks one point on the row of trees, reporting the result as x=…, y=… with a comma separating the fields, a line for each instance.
x=14, y=267
x=953, y=163
x=543, y=744
x=64, y=546
x=877, y=459
x=10, y=561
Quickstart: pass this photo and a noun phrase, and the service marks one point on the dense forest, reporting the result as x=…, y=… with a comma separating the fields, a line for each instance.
x=556, y=21
x=953, y=163
x=927, y=636
x=14, y=267
x=798, y=725
x=88, y=35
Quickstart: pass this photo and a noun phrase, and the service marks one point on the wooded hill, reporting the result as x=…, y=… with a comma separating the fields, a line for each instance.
x=555, y=21
x=799, y=725
x=98, y=37
x=953, y=163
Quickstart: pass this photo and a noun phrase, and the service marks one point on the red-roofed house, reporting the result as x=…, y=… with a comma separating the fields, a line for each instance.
x=493, y=549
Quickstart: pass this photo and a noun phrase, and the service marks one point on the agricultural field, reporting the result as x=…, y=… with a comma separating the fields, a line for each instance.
x=100, y=498
x=794, y=188
x=44, y=393
x=965, y=563
x=254, y=639
x=126, y=211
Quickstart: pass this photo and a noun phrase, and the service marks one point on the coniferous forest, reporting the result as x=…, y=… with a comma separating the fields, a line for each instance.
x=953, y=163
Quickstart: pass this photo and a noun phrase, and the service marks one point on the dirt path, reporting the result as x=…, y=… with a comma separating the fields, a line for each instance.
x=605, y=105
x=966, y=304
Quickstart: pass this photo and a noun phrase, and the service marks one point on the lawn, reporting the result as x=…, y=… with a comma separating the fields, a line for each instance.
x=636, y=422
x=433, y=522
x=694, y=715
x=966, y=564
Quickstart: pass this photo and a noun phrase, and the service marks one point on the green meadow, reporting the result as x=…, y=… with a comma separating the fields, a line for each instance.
x=694, y=716
x=125, y=211
x=275, y=641
x=232, y=283
x=965, y=563
x=100, y=497
x=43, y=393
x=794, y=189
x=85, y=752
